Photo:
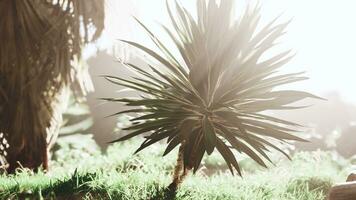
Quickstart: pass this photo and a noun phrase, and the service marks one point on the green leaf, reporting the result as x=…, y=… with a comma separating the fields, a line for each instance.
x=209, y=135
x=228, y=156
x=173, y=144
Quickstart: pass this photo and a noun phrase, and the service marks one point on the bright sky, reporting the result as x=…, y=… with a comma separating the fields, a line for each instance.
x=322, y=33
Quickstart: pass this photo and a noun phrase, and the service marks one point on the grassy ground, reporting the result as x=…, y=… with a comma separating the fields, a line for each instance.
x=116, y=174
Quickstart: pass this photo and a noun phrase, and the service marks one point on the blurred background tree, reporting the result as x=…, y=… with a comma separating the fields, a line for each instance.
x=40, y=61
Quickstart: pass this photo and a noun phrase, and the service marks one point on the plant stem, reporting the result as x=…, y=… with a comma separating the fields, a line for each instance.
x=180, y=171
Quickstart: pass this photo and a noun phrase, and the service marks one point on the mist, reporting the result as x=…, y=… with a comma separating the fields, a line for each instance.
x=320, y=34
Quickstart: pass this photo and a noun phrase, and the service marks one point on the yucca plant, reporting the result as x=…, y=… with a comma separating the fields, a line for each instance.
x=212, y=96
x=41, y=42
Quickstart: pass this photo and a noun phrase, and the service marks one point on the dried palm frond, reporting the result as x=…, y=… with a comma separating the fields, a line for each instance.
x=39, y=41
x=214, y=98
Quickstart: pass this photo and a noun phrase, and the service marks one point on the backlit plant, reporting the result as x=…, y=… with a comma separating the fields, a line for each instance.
x=212, y=96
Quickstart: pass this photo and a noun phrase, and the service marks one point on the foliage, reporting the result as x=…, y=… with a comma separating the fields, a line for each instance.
x=143, y=176
x=75, y=142
x=76, y=118
x=74, y=149
x=216, y=97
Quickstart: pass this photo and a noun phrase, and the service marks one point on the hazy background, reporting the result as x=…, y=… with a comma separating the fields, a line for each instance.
x=322, y=33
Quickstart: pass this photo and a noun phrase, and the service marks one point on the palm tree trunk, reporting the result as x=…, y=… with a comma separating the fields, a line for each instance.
x=35, y=130
x=26, y=129
x=180, y=171
x=33, y=155
x=40, y=42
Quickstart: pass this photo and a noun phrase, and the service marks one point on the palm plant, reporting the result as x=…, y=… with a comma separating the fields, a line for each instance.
x=213, y=96
x=40, y=42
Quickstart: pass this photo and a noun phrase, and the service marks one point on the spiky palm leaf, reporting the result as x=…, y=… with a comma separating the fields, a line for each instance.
x=40, y=40
x=214, y=98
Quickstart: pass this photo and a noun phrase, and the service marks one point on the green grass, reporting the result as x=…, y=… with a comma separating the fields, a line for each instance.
x=117, y=174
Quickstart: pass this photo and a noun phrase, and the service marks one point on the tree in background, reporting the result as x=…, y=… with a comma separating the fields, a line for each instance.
x=213, y=95
x=40, y=53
